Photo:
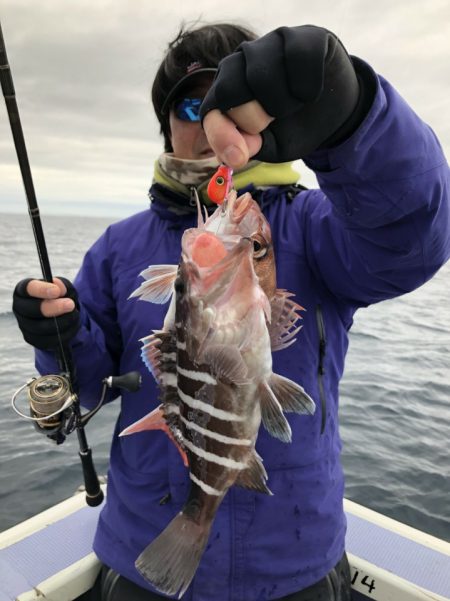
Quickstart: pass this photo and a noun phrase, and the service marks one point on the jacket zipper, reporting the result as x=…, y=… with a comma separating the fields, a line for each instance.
x=321, y=367
x=192, y=199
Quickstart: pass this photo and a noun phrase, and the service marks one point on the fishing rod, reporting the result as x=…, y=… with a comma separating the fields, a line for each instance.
x=54, y=406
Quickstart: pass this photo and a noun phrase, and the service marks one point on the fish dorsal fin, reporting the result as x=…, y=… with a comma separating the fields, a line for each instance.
x=255, y=476
x=291, y=395
x=157, y=348
x=282, y=327
x=226, y=363
x=151, y=354
x=272, y=415
x=158, y=287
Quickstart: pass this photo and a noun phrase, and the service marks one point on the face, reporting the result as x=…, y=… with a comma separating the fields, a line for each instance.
x=187, y=137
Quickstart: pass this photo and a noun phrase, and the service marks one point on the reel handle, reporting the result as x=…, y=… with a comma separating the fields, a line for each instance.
x=130, y=381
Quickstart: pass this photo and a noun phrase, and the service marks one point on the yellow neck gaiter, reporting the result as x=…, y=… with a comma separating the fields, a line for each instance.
x=255, y=172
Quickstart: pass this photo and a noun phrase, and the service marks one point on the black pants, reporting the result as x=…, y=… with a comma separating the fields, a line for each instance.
x=110, y=586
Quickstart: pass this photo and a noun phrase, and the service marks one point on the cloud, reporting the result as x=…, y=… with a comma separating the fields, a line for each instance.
x=83, y=71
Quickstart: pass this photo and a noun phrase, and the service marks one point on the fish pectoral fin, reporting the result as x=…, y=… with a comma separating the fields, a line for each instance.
x=291, y=396
x=255, y=476
x=158, y=287
x=283, y=325
x=226, y=363
x=272, y=415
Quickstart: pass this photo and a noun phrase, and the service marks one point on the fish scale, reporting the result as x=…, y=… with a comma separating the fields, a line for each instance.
x=204, y=444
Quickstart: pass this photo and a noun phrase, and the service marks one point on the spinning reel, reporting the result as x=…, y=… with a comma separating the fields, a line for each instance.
x=51, y=402
x=54, y=409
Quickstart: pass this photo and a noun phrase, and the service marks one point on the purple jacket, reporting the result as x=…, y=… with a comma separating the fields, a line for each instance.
x=377, y=228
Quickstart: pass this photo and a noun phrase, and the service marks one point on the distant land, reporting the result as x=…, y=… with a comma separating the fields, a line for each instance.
x=84, y=208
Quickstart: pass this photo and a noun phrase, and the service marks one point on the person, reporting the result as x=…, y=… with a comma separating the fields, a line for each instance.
x=377, y=227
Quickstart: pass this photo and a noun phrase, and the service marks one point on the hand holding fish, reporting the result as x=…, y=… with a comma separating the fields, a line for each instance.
x=280, y=97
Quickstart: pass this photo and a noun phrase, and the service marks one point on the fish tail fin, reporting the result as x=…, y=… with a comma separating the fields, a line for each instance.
x=171, y=560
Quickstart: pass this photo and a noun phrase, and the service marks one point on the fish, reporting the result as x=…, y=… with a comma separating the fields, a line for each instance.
x=212, y=360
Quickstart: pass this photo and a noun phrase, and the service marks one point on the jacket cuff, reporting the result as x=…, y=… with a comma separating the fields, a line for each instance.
x=367, y=81
x=321, y=160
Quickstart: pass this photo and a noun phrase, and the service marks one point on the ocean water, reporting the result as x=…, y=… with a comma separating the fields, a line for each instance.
x=395, y=395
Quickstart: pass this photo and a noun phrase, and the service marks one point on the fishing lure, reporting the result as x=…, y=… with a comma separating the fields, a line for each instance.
x=220, y=184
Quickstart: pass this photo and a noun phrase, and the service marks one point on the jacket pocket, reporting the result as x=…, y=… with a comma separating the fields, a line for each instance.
x=321, y=366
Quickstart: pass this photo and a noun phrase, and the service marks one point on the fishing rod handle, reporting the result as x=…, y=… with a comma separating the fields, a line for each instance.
x=94, y=493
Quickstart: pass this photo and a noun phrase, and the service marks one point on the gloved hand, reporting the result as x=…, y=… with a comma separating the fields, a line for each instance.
x=36, y=303
x=304, y=81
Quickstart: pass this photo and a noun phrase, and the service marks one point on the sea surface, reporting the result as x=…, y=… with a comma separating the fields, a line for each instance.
x=395, y=395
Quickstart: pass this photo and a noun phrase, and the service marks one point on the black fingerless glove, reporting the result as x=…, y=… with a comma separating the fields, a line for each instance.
x=304, y=78
x=40, y=331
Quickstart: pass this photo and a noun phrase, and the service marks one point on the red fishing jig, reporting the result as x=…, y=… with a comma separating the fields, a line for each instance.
x=220, y=184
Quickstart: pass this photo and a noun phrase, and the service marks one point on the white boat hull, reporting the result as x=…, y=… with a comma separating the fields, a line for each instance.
x=49, y=557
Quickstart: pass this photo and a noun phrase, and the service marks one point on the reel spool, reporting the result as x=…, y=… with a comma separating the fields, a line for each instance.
x=48, y=398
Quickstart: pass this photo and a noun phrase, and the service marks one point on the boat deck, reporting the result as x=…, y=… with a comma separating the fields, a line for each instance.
x=50, y=557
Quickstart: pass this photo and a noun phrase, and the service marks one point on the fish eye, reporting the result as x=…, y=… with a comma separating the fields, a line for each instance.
x=259, y=251
x=220, y=180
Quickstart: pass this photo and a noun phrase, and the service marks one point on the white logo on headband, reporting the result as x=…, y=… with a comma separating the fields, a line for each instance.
x=193, y=66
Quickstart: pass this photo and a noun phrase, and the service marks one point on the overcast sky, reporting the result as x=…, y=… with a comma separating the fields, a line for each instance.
x=83, y=70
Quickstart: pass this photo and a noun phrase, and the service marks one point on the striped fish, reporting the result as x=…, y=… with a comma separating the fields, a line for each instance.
x=213, y=362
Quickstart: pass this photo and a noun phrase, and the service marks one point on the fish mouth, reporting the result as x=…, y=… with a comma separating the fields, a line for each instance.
x=239, y=217
x=213, y=260
x=206, y=249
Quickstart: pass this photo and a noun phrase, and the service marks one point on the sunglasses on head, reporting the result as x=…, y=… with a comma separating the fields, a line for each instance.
x=188, y=109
